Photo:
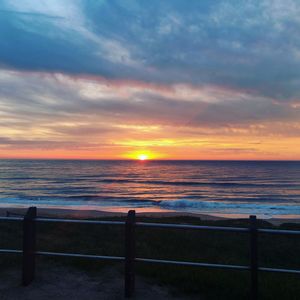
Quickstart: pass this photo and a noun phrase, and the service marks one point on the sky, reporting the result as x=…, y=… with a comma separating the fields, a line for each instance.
x=170, y=79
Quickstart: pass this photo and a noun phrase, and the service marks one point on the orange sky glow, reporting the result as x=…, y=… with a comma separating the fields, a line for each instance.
x=112, y=120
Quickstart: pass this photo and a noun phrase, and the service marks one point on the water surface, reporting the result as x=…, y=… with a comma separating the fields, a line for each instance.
x=226, y=187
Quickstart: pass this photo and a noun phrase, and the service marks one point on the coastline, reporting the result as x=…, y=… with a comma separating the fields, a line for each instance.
x=86, y=213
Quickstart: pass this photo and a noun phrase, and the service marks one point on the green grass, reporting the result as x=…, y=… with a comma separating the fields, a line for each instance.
x=174, y=244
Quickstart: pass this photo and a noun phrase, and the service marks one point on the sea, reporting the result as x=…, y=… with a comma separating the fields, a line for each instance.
x=231, y=188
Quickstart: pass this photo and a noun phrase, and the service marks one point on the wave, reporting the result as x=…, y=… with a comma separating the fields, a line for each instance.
x=232, y=207
x=197, y=183
x=77, y=202
x=95, y=179
x=195, y=206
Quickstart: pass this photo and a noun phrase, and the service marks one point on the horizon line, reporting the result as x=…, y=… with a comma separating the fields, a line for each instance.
x=149, y=160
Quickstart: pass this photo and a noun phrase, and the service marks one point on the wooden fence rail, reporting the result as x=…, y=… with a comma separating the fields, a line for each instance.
x=29, y=251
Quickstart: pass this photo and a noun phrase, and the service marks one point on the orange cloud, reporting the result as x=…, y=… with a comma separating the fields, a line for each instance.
x=90, y=117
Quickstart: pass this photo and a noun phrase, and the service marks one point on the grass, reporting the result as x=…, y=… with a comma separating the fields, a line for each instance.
x=174, y=244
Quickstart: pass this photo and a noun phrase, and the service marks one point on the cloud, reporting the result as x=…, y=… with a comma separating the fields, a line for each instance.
x=72, y=72
x=252, y=45
x=60, y=106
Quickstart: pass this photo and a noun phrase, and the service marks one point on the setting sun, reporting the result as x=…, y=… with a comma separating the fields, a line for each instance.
x=143, y=157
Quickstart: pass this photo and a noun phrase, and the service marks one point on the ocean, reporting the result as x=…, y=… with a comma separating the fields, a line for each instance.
x=264, y=188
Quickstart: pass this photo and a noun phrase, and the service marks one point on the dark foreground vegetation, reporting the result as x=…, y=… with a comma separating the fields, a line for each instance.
x=204, y=246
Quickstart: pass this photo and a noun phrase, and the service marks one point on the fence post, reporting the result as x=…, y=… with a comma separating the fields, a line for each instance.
x=129, y=254
x=253, y=258
x=29, y=244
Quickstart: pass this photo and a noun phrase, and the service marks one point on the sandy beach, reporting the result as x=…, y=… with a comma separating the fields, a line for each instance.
x=91, y=214
x=82, y=214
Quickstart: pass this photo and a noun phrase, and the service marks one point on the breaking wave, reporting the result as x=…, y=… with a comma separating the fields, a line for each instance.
x=237, y=207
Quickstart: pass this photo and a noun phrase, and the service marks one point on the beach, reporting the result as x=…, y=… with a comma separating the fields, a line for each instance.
x=96, y=214
x=156, y=140
x=220, y=194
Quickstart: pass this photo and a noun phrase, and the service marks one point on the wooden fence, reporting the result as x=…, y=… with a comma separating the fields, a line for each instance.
x=30, y=252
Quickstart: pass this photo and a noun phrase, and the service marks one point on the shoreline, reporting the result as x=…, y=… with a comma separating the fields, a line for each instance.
x=91, y=213
x=87, y=213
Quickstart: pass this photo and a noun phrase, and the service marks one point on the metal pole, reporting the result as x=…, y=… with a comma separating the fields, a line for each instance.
x=129, y=254
x=253, y=258
x=29, y=245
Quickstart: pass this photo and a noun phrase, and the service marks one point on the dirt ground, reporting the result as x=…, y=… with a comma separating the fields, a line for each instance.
x=59, y=282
